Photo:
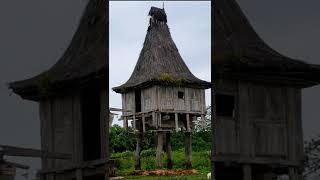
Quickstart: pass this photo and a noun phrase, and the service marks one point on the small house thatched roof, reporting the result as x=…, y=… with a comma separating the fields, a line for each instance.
x=85, y=58
x=238, y=51
x=160, y=62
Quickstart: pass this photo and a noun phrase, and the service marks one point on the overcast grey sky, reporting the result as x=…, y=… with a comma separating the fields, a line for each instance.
x=190, y=27
x=35, y=33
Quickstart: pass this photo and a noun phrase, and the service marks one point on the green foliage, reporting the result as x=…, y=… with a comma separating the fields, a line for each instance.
x=124, y=162
x=120, y=139
x=148, y=152
x=149, y=163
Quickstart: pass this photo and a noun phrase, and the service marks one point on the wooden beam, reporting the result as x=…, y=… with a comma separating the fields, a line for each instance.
x=176, y=120
x=28, y=152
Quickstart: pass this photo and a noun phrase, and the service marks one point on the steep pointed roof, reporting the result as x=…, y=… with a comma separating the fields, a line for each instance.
x=84, y=59
x=239, y=52
x=159, y=61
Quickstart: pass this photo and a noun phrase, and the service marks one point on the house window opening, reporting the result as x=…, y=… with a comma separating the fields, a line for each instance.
x=180, y=95
x=225, y=105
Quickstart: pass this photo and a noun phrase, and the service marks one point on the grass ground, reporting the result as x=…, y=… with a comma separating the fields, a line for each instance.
x=125, y=164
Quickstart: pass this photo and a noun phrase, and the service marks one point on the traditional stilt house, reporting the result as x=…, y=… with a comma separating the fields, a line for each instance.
x=162, y=94
x=258, y=129
x=72, y=101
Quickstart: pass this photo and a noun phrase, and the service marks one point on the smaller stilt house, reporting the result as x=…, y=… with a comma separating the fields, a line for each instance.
x=258, y=129
x=72, y=102
x=162, y=94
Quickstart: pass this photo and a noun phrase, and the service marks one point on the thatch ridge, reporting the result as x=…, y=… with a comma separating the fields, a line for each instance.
x=238, y=49
x=159, y=62
x=86, y=55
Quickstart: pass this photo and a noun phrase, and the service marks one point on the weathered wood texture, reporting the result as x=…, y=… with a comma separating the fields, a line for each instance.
x=166, y=98
x=169, y=151
x=139, y=146
x=61, y=129
x=266, y=123
x=159, y=151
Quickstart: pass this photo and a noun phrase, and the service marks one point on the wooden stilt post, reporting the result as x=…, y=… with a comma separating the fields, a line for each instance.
x=169, y=151
x=125, y=123
x=188, y=122
x=159, y=150
x=154, y=119
x=143, y=123
x=176, y=121
x=203, y=122
x=79, y=174
x=159, y=120
x=139, y=145
x=247, y=174
x=134, y=122
x=292, y=174
x=188, y=149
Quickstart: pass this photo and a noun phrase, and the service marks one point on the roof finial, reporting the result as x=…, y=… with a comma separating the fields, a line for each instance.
x=162, y=4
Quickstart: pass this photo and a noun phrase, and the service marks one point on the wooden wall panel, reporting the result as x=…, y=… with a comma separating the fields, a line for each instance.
x=63, y=127
x=128, y=102
x=227, y=137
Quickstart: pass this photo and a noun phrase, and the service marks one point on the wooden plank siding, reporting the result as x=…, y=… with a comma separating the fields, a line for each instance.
x=266, y=123
x=166, y=98
x=61, y=130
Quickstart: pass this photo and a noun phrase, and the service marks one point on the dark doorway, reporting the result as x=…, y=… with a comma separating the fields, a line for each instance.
x=90, y=108
x=138, y=100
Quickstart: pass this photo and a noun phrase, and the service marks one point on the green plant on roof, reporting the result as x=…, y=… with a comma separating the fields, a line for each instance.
x=169, y=80
x=166, y=77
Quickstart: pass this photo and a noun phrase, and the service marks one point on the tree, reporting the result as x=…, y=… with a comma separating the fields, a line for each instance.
x=206, y=126
x=312, y=161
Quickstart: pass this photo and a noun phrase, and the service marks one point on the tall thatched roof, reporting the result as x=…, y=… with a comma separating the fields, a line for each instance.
x=159, y=61
x=240, y=53
x=85, y=58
